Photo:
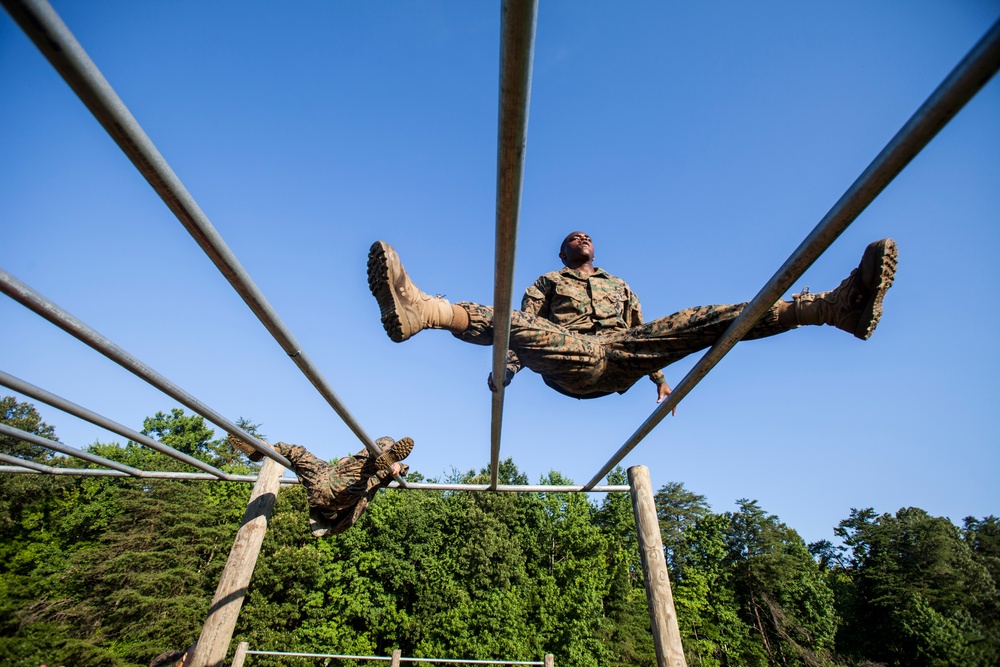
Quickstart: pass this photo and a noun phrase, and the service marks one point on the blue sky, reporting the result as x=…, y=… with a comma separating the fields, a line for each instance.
x=698, y=143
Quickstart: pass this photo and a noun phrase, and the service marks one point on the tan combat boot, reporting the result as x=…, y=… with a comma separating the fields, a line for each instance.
x=405, y=309
x=240, y=445
x=393, y=452
x=856, y=305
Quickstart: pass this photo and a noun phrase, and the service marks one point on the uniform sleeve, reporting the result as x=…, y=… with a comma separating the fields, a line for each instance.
x=536, y=299
x=633, y=313
x=534, y=302
x=633, y=318
x=513, y=363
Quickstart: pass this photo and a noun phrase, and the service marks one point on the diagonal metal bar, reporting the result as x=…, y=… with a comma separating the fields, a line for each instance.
x=39, y=394
x=66, y=449
x=43, y=26
x=31, y=299
x=968, y=77
x=517, y=45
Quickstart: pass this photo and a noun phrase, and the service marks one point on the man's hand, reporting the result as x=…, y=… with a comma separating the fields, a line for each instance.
x=662, y=391
x=507, y=377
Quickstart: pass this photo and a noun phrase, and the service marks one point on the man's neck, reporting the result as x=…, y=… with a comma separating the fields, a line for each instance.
x=584, y=268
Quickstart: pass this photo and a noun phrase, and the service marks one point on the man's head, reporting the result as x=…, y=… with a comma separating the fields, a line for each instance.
x=576, y=249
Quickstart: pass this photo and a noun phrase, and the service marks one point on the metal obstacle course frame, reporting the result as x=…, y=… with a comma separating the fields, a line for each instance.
x=41, y=23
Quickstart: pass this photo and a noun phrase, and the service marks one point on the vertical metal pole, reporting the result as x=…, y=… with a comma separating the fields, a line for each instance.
x=662, y=617
x=517, y=47
x=218, y=630
x=241, y=654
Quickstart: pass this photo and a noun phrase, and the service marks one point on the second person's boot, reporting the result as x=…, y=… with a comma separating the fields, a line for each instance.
x=393, y=452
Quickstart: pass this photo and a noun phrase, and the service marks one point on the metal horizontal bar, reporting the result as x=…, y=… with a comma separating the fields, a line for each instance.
x=450, y=661
x=31, y=299
x=53, y=38
x=968, y=77
x=66, y=449
x=60, y=403
x=155, y=474
x=321, y=655
x=412, y=486
x=31, y=465
x=517, y=45
x=515, y=488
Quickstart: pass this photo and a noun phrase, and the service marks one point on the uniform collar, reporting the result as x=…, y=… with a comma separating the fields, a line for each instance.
x=573, y=273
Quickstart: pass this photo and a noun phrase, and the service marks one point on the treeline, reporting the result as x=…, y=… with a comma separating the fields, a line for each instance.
x=101, y=571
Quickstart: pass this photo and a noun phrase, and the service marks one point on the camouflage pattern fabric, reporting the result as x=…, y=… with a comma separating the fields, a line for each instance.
x=337, y=494
x=585, y=336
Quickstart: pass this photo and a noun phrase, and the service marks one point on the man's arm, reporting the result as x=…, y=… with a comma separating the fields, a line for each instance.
x=513, y=366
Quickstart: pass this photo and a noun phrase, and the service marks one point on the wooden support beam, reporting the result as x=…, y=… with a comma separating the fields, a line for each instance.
x=241, y=654
x=662, y=617
x=550, y=660
x=396, y=658
x=221, y=622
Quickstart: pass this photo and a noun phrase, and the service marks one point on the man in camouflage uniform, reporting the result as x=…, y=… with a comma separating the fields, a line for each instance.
x=581, y=328
x=338, y=494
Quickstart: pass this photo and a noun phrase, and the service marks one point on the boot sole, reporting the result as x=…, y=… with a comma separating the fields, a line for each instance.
x=380, y=282
x=884, y=273
x=399, y=451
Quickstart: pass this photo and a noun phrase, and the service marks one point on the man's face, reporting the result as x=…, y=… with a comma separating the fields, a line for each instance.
x=576, y=248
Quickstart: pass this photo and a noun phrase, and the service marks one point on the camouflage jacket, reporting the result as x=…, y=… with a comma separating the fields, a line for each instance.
x=594, y=304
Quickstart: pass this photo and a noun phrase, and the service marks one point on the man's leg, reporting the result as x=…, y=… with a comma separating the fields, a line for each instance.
x=573, y=361
x=854, y=306
x=317, y=476
x=569, y=359
x=654, y=345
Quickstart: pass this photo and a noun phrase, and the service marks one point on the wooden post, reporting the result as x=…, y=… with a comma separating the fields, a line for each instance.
x=218, y=629
x=241, y=654
x=396, y=655
x=550, y=660
x=662, y=617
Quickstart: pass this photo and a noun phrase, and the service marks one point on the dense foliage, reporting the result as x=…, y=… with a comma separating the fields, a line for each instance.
x=112, y=571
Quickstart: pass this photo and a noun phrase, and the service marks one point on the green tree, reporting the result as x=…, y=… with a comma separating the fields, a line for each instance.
x=708, y=611
x=678, y=510
x=25, y=417
x=112, y=571
x=921, y=596
x=782, y=593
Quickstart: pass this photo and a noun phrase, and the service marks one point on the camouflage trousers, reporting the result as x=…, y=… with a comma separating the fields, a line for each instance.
x=589, y=365
x=337, y=494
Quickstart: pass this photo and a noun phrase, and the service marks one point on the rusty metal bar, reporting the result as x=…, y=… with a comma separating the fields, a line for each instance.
x=517, y=47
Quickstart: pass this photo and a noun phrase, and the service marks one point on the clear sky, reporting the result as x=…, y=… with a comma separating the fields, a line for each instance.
x=698, y=143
